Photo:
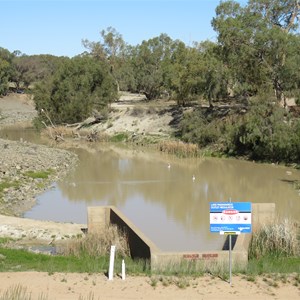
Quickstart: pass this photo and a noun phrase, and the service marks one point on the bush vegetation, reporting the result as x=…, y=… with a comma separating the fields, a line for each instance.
x=76, y=88
x=263, y=132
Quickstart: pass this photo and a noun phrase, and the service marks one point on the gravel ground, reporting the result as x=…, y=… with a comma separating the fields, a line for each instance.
x=18, y=161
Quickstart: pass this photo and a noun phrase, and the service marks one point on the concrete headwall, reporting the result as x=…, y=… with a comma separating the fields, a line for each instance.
x=142, y=247
x=100, y=217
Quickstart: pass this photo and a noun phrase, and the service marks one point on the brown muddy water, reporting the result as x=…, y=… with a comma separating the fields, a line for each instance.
x=165, y=202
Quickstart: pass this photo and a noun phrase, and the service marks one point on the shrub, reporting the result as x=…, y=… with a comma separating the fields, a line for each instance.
x=265, y=132
x=76, y=88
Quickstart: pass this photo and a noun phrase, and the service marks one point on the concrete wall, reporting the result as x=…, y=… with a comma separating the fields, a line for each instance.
x=142, y=247
x=139, y=245
x=100, y=217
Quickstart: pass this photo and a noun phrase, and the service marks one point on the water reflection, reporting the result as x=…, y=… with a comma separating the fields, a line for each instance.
x=166, y=203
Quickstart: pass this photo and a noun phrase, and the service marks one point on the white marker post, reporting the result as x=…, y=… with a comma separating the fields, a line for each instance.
x=123, y=269
x=111, y=262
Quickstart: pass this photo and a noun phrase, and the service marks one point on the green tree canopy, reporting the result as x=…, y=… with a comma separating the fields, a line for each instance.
x=29, y=69
x=255, y=42
x=110, y=49
x=151, y=61
x=5, y=70
x=76, y=88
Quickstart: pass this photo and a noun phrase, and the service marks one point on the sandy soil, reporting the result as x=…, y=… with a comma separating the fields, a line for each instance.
x=16, y=108
x=133, y=114
x=96, y=286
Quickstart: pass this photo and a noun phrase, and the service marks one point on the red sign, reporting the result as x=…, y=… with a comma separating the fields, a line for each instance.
x=230, y=212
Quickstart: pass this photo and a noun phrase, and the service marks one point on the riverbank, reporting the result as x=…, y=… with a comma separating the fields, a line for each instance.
x=26, y=169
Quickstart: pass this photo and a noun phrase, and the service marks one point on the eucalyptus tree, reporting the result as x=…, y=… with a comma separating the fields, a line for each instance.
x=176, y=79
x=215, y=79
x=188, y=73
x=111, y=49
x=150, y=64
x=256, y=41
x=197, y=72
x=30, y=69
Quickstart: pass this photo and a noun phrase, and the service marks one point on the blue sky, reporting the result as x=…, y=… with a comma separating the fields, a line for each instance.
x=58, y=27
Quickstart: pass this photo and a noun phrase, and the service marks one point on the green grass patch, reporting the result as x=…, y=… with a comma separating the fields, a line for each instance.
x=273, y=264
x=39, y=174
x=119, y=137
x=21, y=260
x=5, y=240
x=7, y=184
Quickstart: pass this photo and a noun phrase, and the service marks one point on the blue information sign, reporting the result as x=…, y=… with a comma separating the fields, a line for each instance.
x=230, y=217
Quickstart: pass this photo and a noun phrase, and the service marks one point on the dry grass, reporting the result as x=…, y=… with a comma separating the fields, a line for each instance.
x=98, y=244
x=18, y=292
x=279, y=238
x=60, y=133
x=179, y=148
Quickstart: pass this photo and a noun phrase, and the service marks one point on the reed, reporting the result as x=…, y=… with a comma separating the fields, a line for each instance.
x=179, y=148
x=280, y=239
x=99, y=244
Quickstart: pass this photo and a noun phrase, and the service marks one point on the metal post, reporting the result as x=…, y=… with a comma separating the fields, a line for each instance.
x=230, y=261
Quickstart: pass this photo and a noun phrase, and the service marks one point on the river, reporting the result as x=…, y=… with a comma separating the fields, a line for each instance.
x=166, y=197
